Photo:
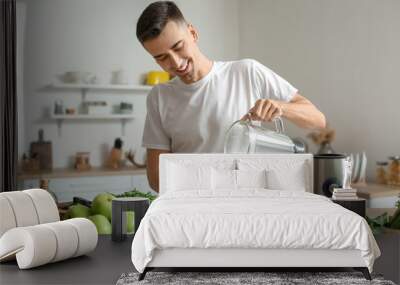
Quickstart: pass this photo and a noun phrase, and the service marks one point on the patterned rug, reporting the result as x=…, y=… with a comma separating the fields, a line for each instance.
x=243, y=278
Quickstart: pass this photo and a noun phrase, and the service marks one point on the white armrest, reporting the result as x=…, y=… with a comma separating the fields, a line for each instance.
x=40, y=244
x=33, y=246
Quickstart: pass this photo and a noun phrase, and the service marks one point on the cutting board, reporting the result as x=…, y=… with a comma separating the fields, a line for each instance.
x=43, y=150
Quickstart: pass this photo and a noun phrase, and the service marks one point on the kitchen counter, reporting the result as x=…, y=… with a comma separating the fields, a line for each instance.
x=372, y=190
x=378, y=195
x=70, y=172
x=69, y=183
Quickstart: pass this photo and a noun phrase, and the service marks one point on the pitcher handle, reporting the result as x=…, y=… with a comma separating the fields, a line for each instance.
x=279, y=127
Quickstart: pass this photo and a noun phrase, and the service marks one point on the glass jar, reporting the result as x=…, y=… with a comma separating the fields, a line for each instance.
x=394, y=170
x=381, y=175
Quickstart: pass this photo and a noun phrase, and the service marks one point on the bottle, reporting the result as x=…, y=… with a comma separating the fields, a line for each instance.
x=44, y=184
x=394, y=170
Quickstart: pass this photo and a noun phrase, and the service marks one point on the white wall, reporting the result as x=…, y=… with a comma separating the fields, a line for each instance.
x=99, y=36
x=343, y=55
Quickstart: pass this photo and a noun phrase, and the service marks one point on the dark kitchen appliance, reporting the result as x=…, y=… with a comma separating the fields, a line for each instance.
x=329, y=173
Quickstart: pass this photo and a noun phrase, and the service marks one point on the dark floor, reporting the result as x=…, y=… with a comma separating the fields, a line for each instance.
x=111, y=259
x=102, y=266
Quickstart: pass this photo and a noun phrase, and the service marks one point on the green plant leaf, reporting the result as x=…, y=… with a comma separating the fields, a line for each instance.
x=378, y=223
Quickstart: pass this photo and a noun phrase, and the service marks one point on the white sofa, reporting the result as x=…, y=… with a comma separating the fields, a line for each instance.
x=31, y=231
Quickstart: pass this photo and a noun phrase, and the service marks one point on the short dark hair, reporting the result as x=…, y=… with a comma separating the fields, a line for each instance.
x=154, y=18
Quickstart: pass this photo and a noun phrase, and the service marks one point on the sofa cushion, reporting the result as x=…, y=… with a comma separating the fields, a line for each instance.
x=45, y=205
x=23, y=208
x=7, y=215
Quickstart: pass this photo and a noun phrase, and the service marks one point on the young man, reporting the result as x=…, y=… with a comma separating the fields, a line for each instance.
x=191, y=113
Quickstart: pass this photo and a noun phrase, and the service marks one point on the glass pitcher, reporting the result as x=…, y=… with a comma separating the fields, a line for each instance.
x=243, y=136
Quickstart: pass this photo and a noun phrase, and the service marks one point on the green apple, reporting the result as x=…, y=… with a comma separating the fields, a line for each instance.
x=130, y=222
x=78, y=211
x=102, y=205
x=103, y=225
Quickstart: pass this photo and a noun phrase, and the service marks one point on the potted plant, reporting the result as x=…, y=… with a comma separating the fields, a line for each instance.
x=323, y=138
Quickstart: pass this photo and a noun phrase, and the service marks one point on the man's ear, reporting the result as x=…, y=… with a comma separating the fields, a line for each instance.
x=193, y=32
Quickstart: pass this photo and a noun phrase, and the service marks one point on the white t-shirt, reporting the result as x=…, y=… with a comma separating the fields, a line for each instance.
x=193, y=118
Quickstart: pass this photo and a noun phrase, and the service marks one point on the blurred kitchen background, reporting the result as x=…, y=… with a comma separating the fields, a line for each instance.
x=342, y=55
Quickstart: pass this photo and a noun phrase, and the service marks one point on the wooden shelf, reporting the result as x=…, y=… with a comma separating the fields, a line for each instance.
x=372, y=190
x=127, y=87
x=83, y=90
x=122, y=117
x=93, y=117
x=70, y=172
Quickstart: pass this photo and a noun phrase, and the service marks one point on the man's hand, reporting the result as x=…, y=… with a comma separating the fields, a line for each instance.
x=265, y=110
x=299, y=110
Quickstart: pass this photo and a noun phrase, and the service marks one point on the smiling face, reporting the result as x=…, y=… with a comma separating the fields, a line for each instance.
x=175, y=50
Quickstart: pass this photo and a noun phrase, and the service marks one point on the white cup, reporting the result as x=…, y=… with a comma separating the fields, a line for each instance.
x=118, y=77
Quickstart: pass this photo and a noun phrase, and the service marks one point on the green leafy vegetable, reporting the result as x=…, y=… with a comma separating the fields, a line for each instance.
x=136, y=193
